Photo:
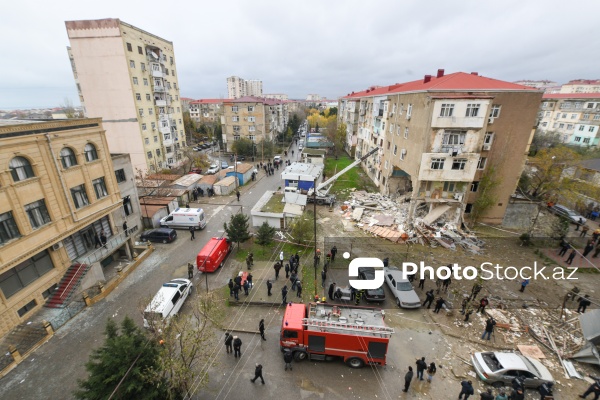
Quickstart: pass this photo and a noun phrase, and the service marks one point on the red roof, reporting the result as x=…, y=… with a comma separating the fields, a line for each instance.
x=571, y=96
x=451, y=82
x=208, y=101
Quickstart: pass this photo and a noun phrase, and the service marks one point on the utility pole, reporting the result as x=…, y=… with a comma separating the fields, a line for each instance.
x=315, y=229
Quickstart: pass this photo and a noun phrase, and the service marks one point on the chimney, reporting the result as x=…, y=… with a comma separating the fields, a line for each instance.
x=440, y=73
x=475, y=73
x=427, y=78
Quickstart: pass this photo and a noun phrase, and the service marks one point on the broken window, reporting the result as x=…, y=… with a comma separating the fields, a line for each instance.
x=459, y=163
x=454, y=138
x=437, y=163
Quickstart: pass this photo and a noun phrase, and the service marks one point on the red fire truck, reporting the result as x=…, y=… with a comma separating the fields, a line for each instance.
x=322, y=331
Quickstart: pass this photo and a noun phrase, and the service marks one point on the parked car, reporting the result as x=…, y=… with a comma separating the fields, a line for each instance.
x=499, y=369
x=161, y=235
x=167, y=303
x=198, y=148
x=224, y=164
x=569, y=214
x=402, y=289
x=371, y=295
x=213, y=169
x=195, y=170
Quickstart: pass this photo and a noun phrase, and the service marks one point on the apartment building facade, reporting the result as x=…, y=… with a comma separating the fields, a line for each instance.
x=58, y=189
x=206, y=111
x=128, y=77
x=574, y=116
x=239, y=87
x=438, y=136
x=276, y=96
x=253, y=118
x=581, y=86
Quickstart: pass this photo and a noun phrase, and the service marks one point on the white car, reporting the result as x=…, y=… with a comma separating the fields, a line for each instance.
x=499, y=369
x=402, y=289
x=167, y=303
x=213, y=169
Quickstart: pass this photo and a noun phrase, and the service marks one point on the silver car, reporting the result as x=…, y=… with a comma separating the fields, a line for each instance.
x=402, y=289
x=567, y=213
x=499, y=369
x=214, y=168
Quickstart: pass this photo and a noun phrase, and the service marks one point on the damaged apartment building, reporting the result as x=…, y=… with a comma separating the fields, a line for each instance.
x=439, y=136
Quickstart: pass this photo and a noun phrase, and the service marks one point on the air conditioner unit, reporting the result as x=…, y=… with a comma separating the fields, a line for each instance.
x=403, y=152
x=490, y=120
x=458, y=196
x=487, y=147
x=57, y=246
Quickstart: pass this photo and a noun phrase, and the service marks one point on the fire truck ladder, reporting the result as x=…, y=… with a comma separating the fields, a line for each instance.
x=369, y=329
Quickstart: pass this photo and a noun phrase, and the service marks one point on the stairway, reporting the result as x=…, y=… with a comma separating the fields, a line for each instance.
x=68, y=286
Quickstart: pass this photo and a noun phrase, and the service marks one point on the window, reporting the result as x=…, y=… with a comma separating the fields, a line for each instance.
x=398, y=131
x=235, y=118
x=459, y=163
x=569, y=126
x=171, y=60
x=79, y=196
x=251, y=129
x=472, y=110
x=236, y=128
x=157, y=152
x=140, y=51
x=236, y=137
x=573, y=116
x=149, y=154
x=100, y=188
x=585, y=116
x=495, y=112
x=129, y=48
x=447, y=110
x=138, y=97
x=402, y=154
x=392, y=127
x=120, y=175
x=481, y=162
x=90, y=152
x=174, y=83
x=395, y=149
x=20, y=169
x=127, y=207
x=148, y=97
x=67, y=157
x=250, y=109
x=449, y=186
x=561, y=126
x=408, y=111
x=145, y=81
x=564, y=115
x=596, y=117
x=166, y=71
x=586, y=140
x=437, y=163
x=488, y=138
x=252, y=137
x=143, y=66
x=544, y=124
x=168, y=149
x=406, y=133
x=547, y=114
x=468, y=208
x=581, y=127
x=25, y=273
x=251, y=119
x=131, y=64
x=8, y=227
x=37, y=213
x=474, y=186
x=454, y=138
x=388, y=145
x=143, y=127
x=141, y=111
x=150, y=111
x=167, y=136
x=577, y=139
x=146, y=140
x=591, y=128
x=234, y=108
x=155, y=139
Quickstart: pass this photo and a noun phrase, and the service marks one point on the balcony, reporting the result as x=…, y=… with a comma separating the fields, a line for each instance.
x=457, y=122
x=168, y=142
x=447, y=173
x=157, y=73
x=159, y=89
x=160, y=102
x=164, y=129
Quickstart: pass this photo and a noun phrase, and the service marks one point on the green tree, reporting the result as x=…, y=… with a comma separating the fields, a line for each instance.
x=546, y=172
x=128, y=355
x=237, y=229
x=302, y=229
x=218, y=134
x=189, y=126
x=317, y=127
x=487, y=196
x=265, y=234
x=242, y=147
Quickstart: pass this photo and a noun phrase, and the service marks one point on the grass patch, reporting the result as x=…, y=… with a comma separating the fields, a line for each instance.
x=274, y=205
x=308, y=279
x=355, y=178
x=267, y=253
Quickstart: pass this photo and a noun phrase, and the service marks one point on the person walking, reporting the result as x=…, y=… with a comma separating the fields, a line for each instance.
x=237, y=193
x=293, y=280
x=228, y=342
x=297, y=257
x=192, y=232
x=422, y=283
x=584, y=231
x=258, y=374
x=246, y=286
x=287, y=270
x=125, y=228
x=475, y=291
x=261, y=329
x=584, y=302
x=277, y=267
x=594, y=388
x=284, y=292
x=421, y=367
x=438, y=305
x=333, y=253
x=236, y=292
x=237, y=347
x=328, y=258
x=446, y=284
x=230, y=284
x=467, y=389
x=287, y=358
x=248, y=265
x=190, y=270
x=468, y=312
x=429, y=299
x=431, y=370
x=331, y=290
x=569, y=259
x=407, y=379
x=299, y=289
x=323, y=278
x=249, y=279
x=487, y=395
x=269, y=287
x=251, y=258
x=483, y=303
x=524, y=284
x=564, y=247
x=588, y=248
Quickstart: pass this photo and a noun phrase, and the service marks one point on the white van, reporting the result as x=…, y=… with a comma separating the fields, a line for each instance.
x=167, y=302
x=184, y=218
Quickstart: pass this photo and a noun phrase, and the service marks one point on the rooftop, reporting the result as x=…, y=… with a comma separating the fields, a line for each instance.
x=187, y=180
x=593, y=164
x=303, y=169
x=314, y=152
x=164, y=177
x=275, y=204
x=571, y=96
x=347, y=319
x=209, y=101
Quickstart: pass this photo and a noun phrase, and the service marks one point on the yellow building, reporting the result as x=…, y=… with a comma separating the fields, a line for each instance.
x=57, y=191
x=128, y=77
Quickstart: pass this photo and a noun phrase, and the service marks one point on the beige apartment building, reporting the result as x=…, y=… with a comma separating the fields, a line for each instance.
x=438, y=136
x=58, y=197
x=574, y=116
x=128, y=77
x=254, y=118
x=581, y=86
x=239, y=87
x=206, y=111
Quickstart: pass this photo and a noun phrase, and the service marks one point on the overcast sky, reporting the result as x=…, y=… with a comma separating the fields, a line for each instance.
x=298, y=47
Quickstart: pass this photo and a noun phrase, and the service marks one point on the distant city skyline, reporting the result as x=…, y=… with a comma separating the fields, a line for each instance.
x=294, y=49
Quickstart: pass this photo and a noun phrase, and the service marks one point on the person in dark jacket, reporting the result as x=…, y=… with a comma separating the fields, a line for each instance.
x=407, y=379
x=236, y=292
x=249, y=279
x=333, y=253
x=545, y=390
x=429, y=299
x=487, y=395
x=483, y=303
x=421, y=367
x=299, y=288
x=431, y=370
x=467, y=389
x=594, y=388
x=192, y=231
x=284, y=292
x=518, y=383
x=489, y=328
x=287, y=358
x=588, y=248
x=277, y=267
x=190, y=270
x=331, y=290
x=564, y=247
x=258, y=374
x=323, y=278
x=246, y=287
x=228, y=341
x=261, y=329
x=287, y=270
x=584, y=302
x=230, y=284
x=438, y=305
x=237, y=347
x=269, y=287
x=517, y=394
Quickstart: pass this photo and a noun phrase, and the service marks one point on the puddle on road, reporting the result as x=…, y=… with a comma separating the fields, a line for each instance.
x=308, y=389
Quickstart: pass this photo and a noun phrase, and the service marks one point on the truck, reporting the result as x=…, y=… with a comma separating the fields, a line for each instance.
x=213, y=254
x=322, y=191
x=322, y=331
x=184, y=218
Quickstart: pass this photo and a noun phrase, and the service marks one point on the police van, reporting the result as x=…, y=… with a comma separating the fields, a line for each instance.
x=167, y=302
